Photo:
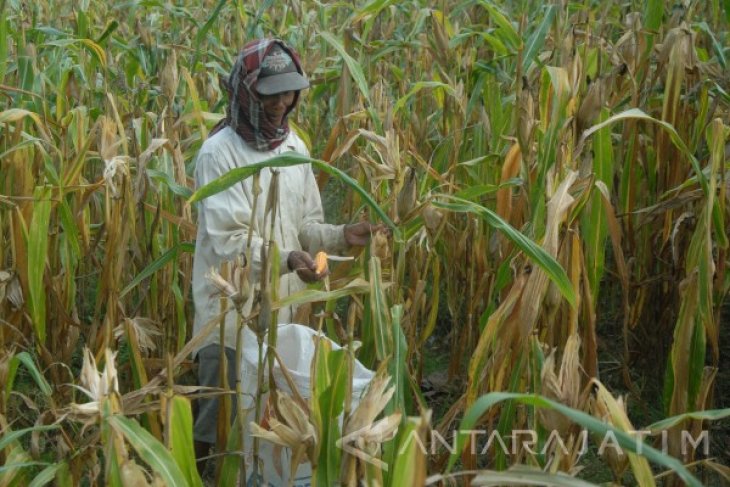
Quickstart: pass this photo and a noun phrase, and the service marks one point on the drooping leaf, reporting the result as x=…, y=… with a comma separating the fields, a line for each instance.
x=708, y=415
x=8, y=437
x=284, y=160
x=503, y=22
x=149, y=449
x=27, y=360
x=158, y=264
x=541, y=258
x=353, y=67
x=636, y=113
x=592, y=424
x=358, y=286
x=421, y=85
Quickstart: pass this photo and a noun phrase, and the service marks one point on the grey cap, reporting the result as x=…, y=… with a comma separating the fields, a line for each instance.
x=279, y=73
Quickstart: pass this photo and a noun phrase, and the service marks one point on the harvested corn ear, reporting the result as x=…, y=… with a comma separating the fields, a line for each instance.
x=320, y=262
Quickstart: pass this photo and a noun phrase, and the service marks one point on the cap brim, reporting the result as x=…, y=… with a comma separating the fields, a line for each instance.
x=279, y=83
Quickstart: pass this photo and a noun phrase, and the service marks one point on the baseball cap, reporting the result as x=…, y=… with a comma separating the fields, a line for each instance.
x=278, y=73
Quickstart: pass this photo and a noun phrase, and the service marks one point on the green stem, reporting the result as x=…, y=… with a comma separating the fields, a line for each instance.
x=259, y=388
x=239, y=389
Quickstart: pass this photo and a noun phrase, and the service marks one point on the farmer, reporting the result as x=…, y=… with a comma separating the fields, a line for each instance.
x=263, y=88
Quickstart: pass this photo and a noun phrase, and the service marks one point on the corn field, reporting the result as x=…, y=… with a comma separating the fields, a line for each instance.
x=556, y=177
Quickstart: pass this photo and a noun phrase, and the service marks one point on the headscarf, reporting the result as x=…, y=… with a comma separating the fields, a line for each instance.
x=245, y=113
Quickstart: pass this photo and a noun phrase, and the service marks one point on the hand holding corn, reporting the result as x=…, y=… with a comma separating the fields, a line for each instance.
x=358, y=234
x=308, y=269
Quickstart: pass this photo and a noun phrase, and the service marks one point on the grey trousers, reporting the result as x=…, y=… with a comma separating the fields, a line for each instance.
x=205, y=426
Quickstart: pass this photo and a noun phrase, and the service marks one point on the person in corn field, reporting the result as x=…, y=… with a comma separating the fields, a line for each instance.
x=263, y=88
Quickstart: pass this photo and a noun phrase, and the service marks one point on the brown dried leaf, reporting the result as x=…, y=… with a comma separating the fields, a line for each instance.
x=408, y=195
x=563, y=387
x=537, y=283
x=591, y=105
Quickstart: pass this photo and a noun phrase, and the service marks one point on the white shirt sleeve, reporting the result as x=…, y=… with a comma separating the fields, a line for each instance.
x=226, y=216
x=314, y=234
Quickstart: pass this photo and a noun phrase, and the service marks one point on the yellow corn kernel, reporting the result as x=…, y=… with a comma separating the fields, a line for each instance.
x=320, y=262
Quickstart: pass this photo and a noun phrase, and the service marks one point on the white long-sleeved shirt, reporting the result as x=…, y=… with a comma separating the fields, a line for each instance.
x=224, y=219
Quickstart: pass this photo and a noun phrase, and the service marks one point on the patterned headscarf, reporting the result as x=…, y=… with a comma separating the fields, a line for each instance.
x=245, y=113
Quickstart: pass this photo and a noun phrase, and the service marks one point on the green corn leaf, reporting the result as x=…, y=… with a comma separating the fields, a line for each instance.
x=473, y=192
x=636, y=113
x=180, y=432
x=285, y=160
x=113, y=470
x=82, y=21
x=716, y=136
x=165, y=178
x=420, y=85
x=3, y=46
x=8, y=437
x=26, y=75
x=13, y=466
x=708, y=415
x=524, y=475
x=379, y=312
x=434, y=303
x=158, y=264
x=70, y=229
x=537, y=40
x=509, y=413
x=653, y=13
x=150, y=450
x=496, y=44
x=92, y=47
x=371, y=9
x=232, y=463
x=697, y=352
x=64, y=477
x=593, y=224
x=110, y=28
x=410, y=457
x=200, y=37
x=397, y=370
x=716, y=46
x=352, y=66
x=50, y=31
x=328, y=430
x=357, y=286
x=331, y=403
x=15, y=114
x=46, y=475
x=536, y=253
x=505, y=25
x=397, y=365
x=592, y=424
x=27, y=360
x=37, y=252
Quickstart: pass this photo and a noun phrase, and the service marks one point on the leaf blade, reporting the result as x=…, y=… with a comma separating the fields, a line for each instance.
x=536, y=253
x=149, y=449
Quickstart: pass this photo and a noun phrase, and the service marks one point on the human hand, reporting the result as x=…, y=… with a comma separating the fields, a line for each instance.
x=358, y=234
x=303, y=264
